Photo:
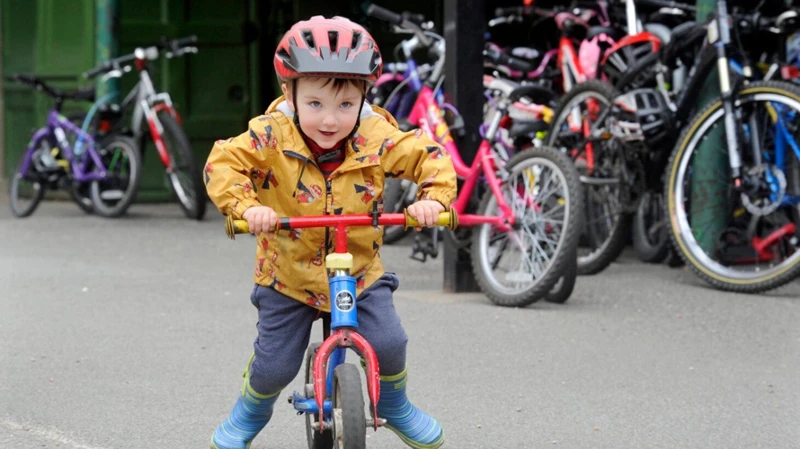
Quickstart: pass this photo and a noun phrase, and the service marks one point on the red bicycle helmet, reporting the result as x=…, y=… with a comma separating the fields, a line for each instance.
x=334, y=47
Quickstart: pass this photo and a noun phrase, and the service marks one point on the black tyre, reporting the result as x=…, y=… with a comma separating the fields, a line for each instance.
x=25, y=193
x=398, y=194
x=185, y=176
x=693, y=198
x=349, y=419
x=121, y=158
x=650, y=231
x=316, y=439
x=562, y=291
x=544, y=236
x=82, y=196
x=606, y=225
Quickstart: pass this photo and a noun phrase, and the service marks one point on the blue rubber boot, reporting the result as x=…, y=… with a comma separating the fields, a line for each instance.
x=416, y=428
x=250, y=414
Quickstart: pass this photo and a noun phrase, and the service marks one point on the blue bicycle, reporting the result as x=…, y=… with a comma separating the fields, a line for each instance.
x=333, y=401
x=62, y=156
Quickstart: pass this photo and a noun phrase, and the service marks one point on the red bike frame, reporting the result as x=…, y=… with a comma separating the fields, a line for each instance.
x=427, y=115
x=344, y=337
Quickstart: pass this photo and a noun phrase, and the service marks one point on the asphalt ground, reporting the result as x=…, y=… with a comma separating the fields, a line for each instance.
x=133, y=333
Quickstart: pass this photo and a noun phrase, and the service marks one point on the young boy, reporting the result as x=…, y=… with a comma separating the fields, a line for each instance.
x=320, y=149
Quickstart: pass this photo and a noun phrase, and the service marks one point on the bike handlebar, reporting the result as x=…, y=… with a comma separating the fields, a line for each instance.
x=498, y=57
x=405, y=20
x=525, y=11
x=109, y=66
x=449, y=219
x=174, y=47
x=668, y=4
x=34, y=82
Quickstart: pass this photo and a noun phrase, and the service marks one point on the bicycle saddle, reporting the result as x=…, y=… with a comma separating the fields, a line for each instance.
x=524, y=128
x=537, y=94
x=597, y=30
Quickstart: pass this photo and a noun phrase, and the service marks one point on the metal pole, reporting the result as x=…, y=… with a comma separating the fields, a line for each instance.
x=708, y=207
x=464, y=34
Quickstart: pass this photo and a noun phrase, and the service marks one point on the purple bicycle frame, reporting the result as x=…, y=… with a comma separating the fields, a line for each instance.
x=402, y=104
x=58, y=124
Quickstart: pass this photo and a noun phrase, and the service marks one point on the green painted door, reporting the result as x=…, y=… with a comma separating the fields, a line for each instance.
x=213, y=90
x=53, y=40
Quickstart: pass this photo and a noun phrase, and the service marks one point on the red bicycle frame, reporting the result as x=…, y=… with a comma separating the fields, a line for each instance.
x=427, y=115
x=344, y=336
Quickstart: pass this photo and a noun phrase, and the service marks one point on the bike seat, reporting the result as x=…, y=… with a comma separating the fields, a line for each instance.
x=538, y=94
x=531, y=55
x=597, y=30
x=524, y=128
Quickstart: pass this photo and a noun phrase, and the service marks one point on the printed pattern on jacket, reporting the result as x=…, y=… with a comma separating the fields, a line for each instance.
x=271, y=165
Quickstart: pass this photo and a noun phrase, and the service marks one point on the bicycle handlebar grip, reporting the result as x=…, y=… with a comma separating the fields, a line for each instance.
x=513, y=11
x=233, y=227
x=501, y=58
x=448, y=218
x=25, y=79
x=669, y=4
x=384, y=14
x=184, y=41
x=96, y=71
x=419, y=19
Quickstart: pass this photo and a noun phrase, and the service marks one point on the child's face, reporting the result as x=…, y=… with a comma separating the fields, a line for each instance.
x=327, y=114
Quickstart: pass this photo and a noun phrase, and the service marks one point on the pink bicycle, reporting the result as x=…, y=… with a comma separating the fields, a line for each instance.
x=526, y=224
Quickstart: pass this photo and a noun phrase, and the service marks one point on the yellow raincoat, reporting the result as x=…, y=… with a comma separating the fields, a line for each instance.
x=271, y=165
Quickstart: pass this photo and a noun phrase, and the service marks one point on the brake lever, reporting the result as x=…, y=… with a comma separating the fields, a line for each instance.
x=116, y=73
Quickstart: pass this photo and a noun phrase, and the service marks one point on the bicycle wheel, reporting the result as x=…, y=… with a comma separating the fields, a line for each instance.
x=80, y=192
x=737, y=239
x=606, y=224
x=562, y=291
x=398, y=194
x=113, y=195
x=184, y=176
x=349, y=419
x=316, y=439
x=25, y=192
x=519, y=267
x=650, y=235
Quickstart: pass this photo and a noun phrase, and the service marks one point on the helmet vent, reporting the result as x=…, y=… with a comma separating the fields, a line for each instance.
x=356, y=42
x=333, y=39
x=309, y=38
x=283, y=54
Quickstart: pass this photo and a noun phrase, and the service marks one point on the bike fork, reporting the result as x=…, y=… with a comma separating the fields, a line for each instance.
x=719, y=34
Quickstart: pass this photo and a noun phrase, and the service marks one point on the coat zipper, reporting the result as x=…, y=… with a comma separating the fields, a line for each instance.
x=327, y=230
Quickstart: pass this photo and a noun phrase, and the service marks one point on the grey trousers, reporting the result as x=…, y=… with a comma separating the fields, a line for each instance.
x=284, y=329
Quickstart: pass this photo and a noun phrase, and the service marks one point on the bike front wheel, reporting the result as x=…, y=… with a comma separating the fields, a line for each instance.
x=739, y=239
x=25, y=192
x=348, y=417
x=315, y=438
x=398, y=194
x=112, y=195
x=184, y=176
x=519, y=267
x=606, y=224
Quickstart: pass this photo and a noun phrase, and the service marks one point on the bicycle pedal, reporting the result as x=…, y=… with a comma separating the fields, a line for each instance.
x=422, y=258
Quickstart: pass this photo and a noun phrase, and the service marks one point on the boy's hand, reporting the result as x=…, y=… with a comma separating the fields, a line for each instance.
x=426, y=212
x=261, y=219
